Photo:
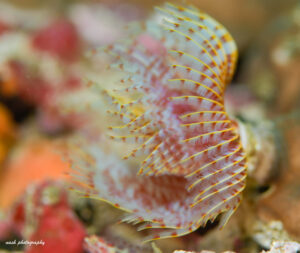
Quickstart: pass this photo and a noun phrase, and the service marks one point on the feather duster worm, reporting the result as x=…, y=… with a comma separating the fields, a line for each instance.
x=192, y=164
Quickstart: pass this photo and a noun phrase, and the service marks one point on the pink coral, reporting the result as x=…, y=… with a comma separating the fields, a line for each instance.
x=59, y=39
x=44, y=215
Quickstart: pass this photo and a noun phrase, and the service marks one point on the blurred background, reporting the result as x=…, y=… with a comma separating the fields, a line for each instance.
x=44, y=68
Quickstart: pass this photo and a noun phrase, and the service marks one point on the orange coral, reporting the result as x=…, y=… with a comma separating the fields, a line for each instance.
x=7, y=133
x=33, y=161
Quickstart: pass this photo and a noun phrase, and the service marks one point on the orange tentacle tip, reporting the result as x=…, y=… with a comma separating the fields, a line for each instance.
x=165, y=189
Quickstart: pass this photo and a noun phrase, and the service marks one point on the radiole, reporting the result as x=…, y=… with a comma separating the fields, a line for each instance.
x=171, y=107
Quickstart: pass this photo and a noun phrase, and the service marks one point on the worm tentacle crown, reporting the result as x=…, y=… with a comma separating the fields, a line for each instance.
x=171, y=105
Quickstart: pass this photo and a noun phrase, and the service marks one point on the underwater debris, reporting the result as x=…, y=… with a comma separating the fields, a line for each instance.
x=94, y=244
x=202, y=251
x=272, y=70
x=263, y=153
x=283, y=247
x=277, y=247
x=285, y=190
x=266, y=234
x=186, y=149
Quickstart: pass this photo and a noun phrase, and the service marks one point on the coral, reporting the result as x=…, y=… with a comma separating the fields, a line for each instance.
x=3, y=27
x=41, y=163
x=59, y=39
x=7, y=133
x=58, y=226
x=186, y=149
x=39, y=68
x=43, y=214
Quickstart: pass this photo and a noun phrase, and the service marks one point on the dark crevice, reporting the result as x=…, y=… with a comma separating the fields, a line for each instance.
x=86, y=213
x=263, y=188
x=238, y=70
x=209, y=226
x=20, y=109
